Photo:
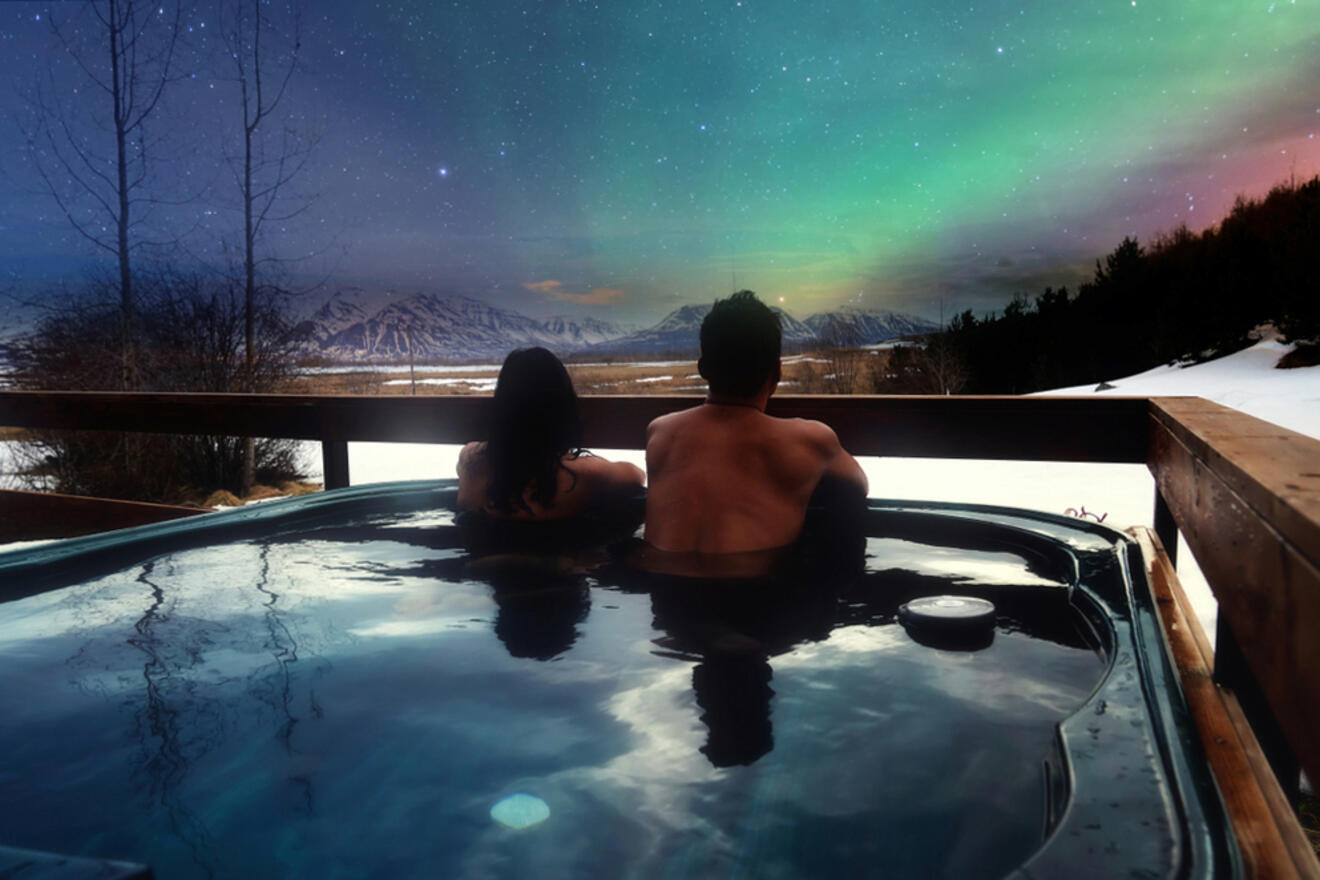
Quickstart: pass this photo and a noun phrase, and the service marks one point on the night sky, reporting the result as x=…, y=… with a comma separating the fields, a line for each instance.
x=623, y=158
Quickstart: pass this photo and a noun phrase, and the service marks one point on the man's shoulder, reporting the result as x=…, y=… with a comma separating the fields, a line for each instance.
x=809, y=433
x=807, y=428
x=672, y=420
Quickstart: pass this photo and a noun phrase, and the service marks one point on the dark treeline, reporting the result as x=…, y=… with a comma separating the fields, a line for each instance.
x=1185, y=296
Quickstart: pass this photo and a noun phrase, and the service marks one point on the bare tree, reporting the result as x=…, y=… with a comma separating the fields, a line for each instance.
x=932, y=367
x=265, y=56
x=90, y=144
x=945, y=366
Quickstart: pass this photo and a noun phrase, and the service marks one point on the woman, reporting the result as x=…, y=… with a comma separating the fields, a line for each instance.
x=532, y=467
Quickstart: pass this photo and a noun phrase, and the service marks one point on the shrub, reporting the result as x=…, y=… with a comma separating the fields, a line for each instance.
x=188, y=336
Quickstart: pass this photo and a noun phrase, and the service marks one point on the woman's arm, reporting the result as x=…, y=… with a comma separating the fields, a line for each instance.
x=471, y=477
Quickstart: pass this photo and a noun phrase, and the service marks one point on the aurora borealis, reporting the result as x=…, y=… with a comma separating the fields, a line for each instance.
x=621, y=159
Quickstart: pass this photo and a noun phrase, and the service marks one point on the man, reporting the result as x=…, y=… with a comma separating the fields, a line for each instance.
x=724, y=477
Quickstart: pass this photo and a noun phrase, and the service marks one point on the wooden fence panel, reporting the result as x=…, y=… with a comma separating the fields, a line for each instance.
x=29, y=516
x=1027, y=428
x=1239, y=490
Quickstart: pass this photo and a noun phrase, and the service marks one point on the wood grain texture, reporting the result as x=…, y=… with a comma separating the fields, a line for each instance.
x=1269, y=837
x=1025, y=428
x=1273, y=469
x=1242, y=535
x=30, y=516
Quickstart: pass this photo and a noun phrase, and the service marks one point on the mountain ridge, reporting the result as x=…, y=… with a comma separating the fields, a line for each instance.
x=432, y=326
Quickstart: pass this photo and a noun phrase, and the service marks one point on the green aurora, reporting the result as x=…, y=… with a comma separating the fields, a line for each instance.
x=624, y=158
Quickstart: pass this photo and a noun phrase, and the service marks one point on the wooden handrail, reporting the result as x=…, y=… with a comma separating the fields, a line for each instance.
x=1245, y=493
x=40, y=515
x=1028, y=428
x=1246, y=496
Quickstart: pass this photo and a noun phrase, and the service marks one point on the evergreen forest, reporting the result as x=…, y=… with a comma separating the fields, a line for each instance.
x=1186, y=296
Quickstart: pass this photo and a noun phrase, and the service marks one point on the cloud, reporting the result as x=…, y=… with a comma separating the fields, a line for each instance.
x=598, y=296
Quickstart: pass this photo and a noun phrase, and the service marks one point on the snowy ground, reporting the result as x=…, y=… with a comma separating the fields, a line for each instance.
x=401, y=368
x=465, y=384
x=1245, y=380
x=1123, y=494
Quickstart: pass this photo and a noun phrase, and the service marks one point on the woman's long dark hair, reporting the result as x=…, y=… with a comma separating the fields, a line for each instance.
x=535, y=423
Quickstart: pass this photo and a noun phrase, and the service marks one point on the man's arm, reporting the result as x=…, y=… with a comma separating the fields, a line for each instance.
x=838, y=463
x=655, y=446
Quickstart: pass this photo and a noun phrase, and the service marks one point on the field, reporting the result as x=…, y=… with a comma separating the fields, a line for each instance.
x=812, y=372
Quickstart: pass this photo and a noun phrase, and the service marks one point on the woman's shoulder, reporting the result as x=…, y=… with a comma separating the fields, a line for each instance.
x=471, y=452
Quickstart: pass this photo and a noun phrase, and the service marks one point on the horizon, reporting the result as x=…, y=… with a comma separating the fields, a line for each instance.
x=622, y=163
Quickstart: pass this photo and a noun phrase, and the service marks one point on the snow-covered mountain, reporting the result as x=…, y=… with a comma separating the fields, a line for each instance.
x=680, y=331
x=582, y=332
x=333, y=316
x=440, y=326
x=868, y=326
x=795, y=332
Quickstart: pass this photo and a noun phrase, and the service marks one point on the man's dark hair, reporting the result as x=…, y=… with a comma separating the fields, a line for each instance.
x=740, y=344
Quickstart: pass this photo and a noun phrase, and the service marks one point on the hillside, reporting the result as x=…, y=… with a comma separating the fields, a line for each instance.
x=451, y=327
x=434, y=327
x=1246, y=380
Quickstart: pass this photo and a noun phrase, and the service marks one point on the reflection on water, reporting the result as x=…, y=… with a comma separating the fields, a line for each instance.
x=276, y=688
x=540, y=602
x=734, y=693
x=172, y=727
x=355, y=700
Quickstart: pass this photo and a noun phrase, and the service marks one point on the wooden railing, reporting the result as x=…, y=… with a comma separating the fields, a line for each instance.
x=1244, y=493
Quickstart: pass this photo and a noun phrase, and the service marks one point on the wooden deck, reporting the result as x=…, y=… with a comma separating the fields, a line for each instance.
x=1244, y=493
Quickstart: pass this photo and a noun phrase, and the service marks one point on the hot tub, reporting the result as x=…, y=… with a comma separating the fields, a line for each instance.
x=335, y=686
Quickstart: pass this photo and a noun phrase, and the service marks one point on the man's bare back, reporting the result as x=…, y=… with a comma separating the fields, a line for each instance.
x=726, y=477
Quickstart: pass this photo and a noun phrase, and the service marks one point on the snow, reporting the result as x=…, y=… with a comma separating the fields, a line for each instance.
x=23, y=545
x=632, y=363
x=469, y=384
x=1245, y=380
x=401, y=368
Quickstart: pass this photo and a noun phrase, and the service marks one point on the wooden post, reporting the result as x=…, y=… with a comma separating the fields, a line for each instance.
x=1271, y=841
x=1166, y=527
x=1231, y=671
x=334, y=462
x=1246, y=496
